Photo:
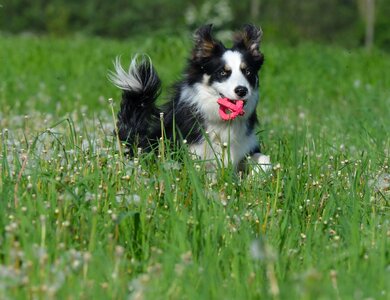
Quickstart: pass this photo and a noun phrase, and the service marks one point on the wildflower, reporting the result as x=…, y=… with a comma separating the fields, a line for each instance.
x=119, y=250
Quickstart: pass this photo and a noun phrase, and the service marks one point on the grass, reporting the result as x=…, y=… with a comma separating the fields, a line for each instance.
x=79, y=222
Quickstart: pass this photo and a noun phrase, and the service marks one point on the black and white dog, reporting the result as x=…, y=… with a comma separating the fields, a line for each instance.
x=213, y=108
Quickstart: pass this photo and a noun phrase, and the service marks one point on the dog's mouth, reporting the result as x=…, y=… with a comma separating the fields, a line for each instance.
x=234, y=101
x=229, y=109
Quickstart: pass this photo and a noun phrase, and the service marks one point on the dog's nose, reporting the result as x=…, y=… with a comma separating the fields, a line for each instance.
x=241, y=91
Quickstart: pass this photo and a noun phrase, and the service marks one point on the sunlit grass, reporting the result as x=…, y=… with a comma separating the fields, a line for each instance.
x=80, y=221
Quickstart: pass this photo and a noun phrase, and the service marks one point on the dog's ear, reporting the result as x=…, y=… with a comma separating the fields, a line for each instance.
x=249, y=39
x=205, y=45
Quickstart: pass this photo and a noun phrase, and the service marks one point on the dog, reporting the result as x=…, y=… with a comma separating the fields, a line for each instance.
x=212, y=109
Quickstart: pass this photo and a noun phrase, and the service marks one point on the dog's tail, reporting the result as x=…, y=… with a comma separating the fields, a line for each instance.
x=140, y=87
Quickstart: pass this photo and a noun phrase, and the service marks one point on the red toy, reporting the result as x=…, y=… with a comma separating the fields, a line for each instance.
x=229, y=110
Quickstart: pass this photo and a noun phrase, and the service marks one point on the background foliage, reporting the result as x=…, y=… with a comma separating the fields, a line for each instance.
x=79, y=221
x=336, y=21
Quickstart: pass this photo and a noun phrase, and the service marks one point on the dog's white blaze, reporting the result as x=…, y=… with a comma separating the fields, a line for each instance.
x=129, y=81
x=233, y=60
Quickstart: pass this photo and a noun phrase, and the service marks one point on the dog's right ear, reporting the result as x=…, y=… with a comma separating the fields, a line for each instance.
x=205, y=45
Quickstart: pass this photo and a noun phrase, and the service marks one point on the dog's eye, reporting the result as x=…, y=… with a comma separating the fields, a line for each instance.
x=223, y=73
x=248, y=72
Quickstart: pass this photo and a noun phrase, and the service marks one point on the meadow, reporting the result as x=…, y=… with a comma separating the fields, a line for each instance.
x=78, y=220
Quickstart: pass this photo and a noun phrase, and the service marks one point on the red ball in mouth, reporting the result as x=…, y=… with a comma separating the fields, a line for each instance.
x=230, y=109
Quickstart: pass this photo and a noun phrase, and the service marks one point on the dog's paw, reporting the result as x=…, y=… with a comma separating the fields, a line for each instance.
x=265, y=162
x=262, y=163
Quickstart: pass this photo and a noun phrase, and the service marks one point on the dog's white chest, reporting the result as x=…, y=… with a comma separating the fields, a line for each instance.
x=227, y=143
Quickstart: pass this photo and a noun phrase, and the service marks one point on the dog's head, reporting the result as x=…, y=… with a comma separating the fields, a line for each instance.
x=228, y=72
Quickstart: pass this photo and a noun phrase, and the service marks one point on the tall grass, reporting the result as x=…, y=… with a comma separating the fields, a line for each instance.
x=79, y=221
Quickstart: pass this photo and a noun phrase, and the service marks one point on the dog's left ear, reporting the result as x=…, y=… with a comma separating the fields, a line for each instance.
x=249, y=39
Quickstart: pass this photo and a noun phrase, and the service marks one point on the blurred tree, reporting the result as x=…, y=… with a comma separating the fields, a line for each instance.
x=367, y=11
x=335, y=21
x=382, y=24
x=217, y=12
x=255, y=9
